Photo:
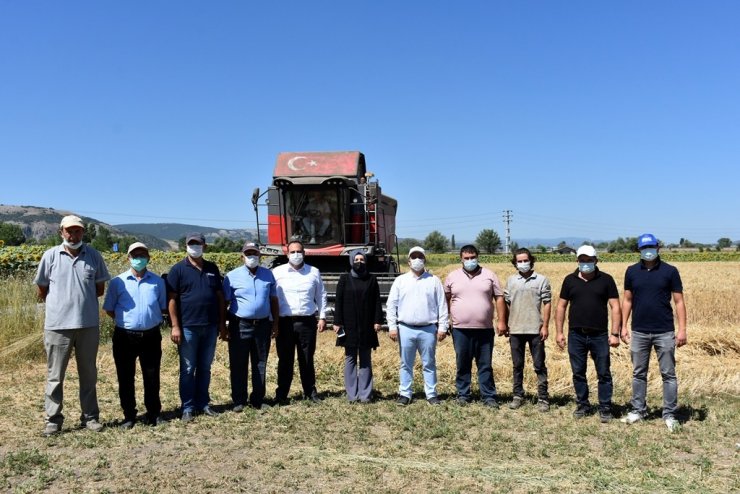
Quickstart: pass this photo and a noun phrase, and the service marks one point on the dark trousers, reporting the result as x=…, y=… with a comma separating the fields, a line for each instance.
x=580, y=344
x=518, y=343
x=248, y=342
x=147, y=347
x=474, y=344
x=296, y=335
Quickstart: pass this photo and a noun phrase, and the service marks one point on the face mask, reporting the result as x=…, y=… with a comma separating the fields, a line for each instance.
x=524, y=267
x=470, y=264
x=295, y=259
x=139, y=263
x=195, y=250
x=358, y=267
x=649, y=254
x=586, y=267
x=72, y=246
x=251, y=261
x=417, y=265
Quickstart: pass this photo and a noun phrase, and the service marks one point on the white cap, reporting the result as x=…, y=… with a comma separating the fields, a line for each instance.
x=586, y=250
x=417, y=249
x=71, y=220
x=137, y=245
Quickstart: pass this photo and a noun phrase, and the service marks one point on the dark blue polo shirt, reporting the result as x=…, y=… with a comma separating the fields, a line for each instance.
x=197, y=303
x=589, y=300
x=652, y=291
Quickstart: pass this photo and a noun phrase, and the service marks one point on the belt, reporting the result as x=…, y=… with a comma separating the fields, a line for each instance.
x=253, y=322
x=137, y=333
x=588, y=331
x=297, y=318
x=417, y=325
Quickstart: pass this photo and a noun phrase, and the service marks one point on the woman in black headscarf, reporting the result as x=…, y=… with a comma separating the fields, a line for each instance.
x=358, y=315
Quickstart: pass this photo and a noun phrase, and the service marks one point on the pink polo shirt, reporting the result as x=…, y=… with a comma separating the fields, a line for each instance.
x=471, y=301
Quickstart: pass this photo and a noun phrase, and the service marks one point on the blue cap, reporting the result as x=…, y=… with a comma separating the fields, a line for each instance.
x=646, y=239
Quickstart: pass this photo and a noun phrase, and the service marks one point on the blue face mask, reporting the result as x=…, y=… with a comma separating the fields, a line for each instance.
x=470, y=264
x=139, y=263
x=586, y=267
x=649, y=254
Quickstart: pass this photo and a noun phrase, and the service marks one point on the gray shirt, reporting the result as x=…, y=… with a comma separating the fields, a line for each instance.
x=525, y=297
x=72, y=300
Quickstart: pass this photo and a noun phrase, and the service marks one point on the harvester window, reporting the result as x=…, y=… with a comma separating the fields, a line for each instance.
x=314, y=216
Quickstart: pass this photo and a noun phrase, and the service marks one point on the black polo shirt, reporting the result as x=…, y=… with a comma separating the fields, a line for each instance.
x=589, y=300
x=652, y=290
x=197, y=303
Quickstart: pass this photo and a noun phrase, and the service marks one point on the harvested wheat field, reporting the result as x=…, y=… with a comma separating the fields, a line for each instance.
x=340, y=447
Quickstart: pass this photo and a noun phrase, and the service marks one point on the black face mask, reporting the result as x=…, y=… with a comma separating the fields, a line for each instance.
x=359, y=267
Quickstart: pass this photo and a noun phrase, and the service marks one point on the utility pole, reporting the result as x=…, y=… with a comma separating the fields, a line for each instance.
x=507, y=222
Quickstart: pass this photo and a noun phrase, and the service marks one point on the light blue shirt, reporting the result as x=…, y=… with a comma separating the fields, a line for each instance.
x=137, y=304
x=418, y=301
x=248, y=295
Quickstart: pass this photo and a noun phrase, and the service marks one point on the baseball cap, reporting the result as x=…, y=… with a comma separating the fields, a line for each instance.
x=586, y=250
x=646, y=239
x=71, y=220
x=195, y=236
x=137, y=245
x=249, y=245
x=417, y=249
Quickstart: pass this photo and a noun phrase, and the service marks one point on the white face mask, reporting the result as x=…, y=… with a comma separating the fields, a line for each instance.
x=523, y=267
x=417, y=265
x=251, y=261
x=295, y=259
x=72, y=246
x=195, y=250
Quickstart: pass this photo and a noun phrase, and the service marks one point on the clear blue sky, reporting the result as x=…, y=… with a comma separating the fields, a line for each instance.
x=592, y=119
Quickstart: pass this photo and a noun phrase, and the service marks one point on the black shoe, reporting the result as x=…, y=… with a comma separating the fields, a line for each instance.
x=462, y=401
x=209, y=411
x=491, y=403
x=403, y=401
x=187, y=417
x=314, y=398
x=434, y=400
x=127, y=424
x=155, y=421
x=237, y=408
x=281, y=402
x=605, y=416
x=581, y=411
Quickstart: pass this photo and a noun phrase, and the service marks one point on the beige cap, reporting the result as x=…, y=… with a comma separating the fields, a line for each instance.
x=137, y=245
x=71, y=220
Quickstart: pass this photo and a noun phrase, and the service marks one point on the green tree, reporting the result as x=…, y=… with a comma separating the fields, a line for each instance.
x=225, y=244
x=724, y=243
x=405, y=244
x=452, y=241
x=488, y=240
x=103, y=240
x=435, y=242
x=11, y=234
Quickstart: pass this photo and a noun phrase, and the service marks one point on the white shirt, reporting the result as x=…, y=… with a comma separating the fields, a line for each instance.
x=300, y=292
x=417, y=301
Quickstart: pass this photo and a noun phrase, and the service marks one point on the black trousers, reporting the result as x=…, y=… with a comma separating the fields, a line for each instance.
x=296, y=335
x=249, y=341
x=147, y=347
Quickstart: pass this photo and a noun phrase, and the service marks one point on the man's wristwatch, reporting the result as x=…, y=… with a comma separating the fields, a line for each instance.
x=616, y=335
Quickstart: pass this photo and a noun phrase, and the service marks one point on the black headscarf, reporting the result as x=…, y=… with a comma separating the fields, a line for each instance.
x=352, y=256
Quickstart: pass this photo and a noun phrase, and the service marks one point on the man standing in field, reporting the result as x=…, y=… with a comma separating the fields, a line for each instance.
x=528, y=295
x=197, y=311
x=588, y=291
x=649, y=286
x=417, y=317
x=301, y=297
x=136, y=300
x=70, y=278
x=470, y=294
x=251, y=295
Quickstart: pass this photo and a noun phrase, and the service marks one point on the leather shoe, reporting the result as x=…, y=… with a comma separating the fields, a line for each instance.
x=187, y=417
x=403, y=400
x=238, y=408
x=314, y=398
x=209, y=411
x=434, y=400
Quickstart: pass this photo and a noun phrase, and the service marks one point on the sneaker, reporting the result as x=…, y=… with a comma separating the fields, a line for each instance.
x=631, y=418
x=434, y=400
x=187, y=417
x=51, y=429
x=491, y=403
x=127, y=424
x=543, y=406
x=93, y=425
x=208, y=411
x=403, y=400
x=605, y=416
x=672, y=424
x=238, y=408
x=581, y=411
x=516, y=402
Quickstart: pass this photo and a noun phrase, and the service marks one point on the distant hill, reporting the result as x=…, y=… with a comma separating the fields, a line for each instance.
x=175, y=231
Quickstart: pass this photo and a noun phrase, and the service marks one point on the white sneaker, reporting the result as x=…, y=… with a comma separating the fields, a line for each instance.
x=93, y=425
x=672, y=424
x=631, y=418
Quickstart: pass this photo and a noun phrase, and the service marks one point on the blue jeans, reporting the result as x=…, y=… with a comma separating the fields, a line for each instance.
x=580, y=344
x=665, y=350
x=474, y=344
x=197, y=349
x=424, y=340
